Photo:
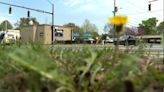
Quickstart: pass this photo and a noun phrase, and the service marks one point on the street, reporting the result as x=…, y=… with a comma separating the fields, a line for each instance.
x=154, y=49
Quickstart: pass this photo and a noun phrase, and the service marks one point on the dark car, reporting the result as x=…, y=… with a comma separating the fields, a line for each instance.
x=84, y=40
x=126, y=40
x=1, y=36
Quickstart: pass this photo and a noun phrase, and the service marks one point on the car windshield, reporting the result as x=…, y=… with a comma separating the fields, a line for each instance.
x=124, y=37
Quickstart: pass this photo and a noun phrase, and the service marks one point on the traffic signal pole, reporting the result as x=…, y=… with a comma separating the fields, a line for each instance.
x=52, y=26
x=116, y=39
x=37, y=10
x=114, y=14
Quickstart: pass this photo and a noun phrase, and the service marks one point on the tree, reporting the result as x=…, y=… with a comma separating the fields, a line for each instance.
x=26, y=22
x=90, y=28
x=149, y=26
x=75, y=28
x=104, y=36
x=160, y=27
x=108, y=28
x=5, y=25
x=131, y=31
x=140, y=31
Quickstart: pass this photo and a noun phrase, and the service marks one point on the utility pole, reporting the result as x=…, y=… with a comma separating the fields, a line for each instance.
x=115, y=8
x=116, y=39
x=163, y=21
x=52, y=28
x=163, y=34
x=6, y=26
x=114, y=14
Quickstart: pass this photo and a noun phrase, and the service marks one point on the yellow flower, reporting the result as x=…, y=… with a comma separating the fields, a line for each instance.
x=118, y=20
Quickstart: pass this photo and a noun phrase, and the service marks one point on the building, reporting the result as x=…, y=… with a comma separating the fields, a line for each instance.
x=63, y=34
x=43, y=34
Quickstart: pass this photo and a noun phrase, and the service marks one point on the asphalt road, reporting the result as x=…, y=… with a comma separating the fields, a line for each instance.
x=147, y=47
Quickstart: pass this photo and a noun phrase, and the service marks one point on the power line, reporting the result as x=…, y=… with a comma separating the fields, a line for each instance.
x=131, y=25
x=135, y=5
x=142, y=13
x=139, y=13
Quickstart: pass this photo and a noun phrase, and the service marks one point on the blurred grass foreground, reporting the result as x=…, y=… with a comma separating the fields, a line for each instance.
x=37, y=68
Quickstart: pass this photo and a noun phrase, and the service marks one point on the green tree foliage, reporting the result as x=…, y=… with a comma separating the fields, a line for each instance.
x=149, y=26
x=104, y=36
x=5, y=25
x=26, y=22
x=75, y=28
x=88, y=27
x=160, y=27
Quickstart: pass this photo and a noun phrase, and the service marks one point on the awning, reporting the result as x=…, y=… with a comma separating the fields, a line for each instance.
x=75, y=34
x=87, y=35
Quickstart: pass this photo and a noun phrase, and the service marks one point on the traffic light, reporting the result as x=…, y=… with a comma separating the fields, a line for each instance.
x=10, y=10
x=149, y=6
x=115, y=8
x=28, y=13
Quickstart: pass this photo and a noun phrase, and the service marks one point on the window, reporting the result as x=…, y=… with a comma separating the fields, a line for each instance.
x=41, y=34
x=59, y=34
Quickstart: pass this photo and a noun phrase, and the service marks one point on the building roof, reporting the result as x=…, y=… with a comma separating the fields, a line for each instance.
x=149, y=36
x=48, y=25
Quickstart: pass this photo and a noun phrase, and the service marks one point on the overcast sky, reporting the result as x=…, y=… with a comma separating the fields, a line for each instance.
x=97, y=11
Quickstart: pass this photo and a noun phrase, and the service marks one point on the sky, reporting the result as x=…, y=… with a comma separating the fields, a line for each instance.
x=76, y=11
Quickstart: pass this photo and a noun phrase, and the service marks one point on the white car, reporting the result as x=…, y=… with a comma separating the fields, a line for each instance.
x=109, y=40
x=8, y=38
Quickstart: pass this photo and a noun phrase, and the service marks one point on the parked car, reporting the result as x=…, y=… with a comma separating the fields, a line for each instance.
x=84, y=40
x=2, y=34
x=126, y=40
x=109, y=40
x=8, y=37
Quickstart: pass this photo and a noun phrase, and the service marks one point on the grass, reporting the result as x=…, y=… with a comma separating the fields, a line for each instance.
x=36, y=68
